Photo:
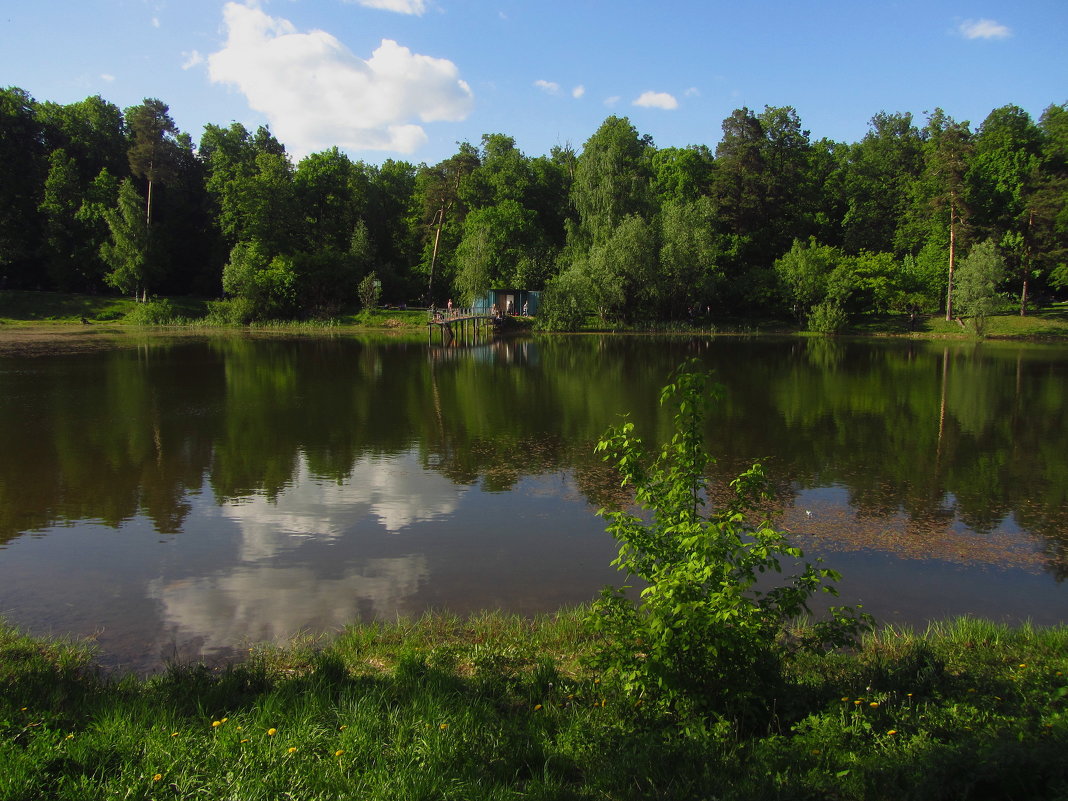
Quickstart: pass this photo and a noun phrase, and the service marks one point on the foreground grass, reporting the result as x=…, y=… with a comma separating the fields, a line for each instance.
x=499, y=707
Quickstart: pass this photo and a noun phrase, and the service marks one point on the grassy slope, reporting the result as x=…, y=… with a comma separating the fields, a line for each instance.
x=499, y=707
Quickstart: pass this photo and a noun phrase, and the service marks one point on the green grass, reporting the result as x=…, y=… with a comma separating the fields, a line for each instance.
x=24, y=307
x=499, y=707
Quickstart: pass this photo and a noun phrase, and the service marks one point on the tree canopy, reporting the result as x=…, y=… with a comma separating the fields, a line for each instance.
x=767, y=222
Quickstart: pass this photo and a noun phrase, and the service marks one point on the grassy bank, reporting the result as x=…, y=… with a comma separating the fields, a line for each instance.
x=19, y=307
x=500, y=707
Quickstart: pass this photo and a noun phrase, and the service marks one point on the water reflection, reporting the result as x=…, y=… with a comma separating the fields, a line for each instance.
x=238, y=488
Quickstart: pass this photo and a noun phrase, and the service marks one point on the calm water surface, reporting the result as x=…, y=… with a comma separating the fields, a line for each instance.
x=181, y=499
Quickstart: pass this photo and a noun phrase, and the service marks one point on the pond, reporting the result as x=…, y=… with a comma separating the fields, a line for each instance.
x=181, y=498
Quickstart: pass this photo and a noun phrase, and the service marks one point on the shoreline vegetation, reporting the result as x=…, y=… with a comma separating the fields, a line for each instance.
x=497, y=706
x=38, y=310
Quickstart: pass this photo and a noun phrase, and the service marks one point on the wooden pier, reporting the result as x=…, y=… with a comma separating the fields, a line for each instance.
x=460, y=326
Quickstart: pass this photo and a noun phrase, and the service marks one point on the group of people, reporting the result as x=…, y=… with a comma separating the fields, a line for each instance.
x=495, y=310
x=509, y=310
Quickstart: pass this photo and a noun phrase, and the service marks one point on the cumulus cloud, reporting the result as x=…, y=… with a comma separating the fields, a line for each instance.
x=415, y=7
x=578, y=91
x=316, y=93
x=983, y=29
x=549, y=87
x=657, y=100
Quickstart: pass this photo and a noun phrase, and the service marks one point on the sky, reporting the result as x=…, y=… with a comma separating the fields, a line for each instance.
x=409, y=79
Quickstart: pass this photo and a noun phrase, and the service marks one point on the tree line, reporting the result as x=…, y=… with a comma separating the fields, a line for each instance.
x=915, y=218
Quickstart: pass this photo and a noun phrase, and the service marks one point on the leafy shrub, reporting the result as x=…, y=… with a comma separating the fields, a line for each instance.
x=232, y=311
x=154, y=312
x=702, y=637
x=827, y=318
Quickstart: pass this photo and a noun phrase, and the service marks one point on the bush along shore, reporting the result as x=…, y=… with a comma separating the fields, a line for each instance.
x=699, y=686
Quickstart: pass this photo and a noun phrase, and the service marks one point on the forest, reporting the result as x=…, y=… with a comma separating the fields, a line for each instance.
x=919, y=217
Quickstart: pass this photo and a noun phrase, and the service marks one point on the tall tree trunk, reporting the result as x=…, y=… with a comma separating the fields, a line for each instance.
x=1026, y=265
x=434, y=255
x=952, y=254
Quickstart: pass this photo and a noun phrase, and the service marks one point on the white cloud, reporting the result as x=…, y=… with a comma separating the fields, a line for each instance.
x=416, y=7
x=611, y=101
x=192, y=59
x=657, y=100
x=107, y=76
x=693, y=91
x=983, y=29
x=548, y=86
x=155, y=22
x=578, y=91
x=316, y=93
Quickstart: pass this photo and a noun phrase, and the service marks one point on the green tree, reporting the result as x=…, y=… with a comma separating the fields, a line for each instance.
x=265, y=284
x=496, y=241
x=690, y=254
x=877, y=175
x=978, y=277
x=612, y=180
x=1003, y=177
x=947, y=154
x=153, y=153
x=62, y=234
x=369, y=290
x=22, y=169
x=443, y=210
x=128, y=250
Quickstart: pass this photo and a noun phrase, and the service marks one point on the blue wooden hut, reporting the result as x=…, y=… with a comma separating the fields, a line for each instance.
x=519, y=301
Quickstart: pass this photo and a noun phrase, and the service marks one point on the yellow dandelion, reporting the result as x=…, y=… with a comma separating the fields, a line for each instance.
x=815, y=751
x=157, y=777
x=342, y=728
x=892, y=731
x=845, y=698
x=602, y=701
x=272, y=732
x=224, y=720
x=537, y=707
x=70, y=737
x=857, y=702
x=292, y=749
x=174, y=734
x=1023, y=664
x=216, y=723
x=443, y=726
x=245, y=740
x=873, y=704
x=909, y=695
x=596, y=681
x=339, y=752
x=971, y=689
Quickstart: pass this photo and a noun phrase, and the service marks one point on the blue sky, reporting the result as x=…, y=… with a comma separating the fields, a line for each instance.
x=407, y=79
